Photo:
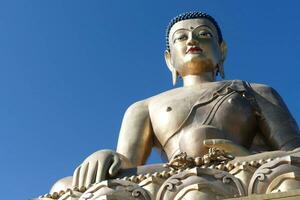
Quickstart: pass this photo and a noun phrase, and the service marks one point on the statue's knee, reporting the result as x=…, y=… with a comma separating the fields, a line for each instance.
x=61, y=185
x=60, y=189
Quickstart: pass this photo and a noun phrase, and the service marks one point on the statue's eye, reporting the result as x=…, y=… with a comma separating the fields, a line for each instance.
x=180, y=38
x=205, y=34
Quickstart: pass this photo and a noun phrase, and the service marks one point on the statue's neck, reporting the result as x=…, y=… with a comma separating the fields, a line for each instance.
x=193, y=80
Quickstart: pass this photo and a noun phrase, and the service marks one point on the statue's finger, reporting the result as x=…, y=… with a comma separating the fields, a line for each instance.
x=75, y=180
x=103, y=169
x=113, y=170
x=91, y=174
x=82, y=175
x=208, y=142
x=217, y=143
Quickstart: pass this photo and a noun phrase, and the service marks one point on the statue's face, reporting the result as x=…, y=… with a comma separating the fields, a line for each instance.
x=194, y=47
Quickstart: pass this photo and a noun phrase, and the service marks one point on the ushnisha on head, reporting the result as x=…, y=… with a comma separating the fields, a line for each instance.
x=195, y=46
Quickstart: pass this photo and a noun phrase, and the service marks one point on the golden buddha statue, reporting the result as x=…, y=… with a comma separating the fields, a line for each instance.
x=222, y=139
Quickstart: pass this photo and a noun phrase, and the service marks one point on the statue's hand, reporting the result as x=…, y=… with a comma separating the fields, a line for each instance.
x=99, y=166
x=227, y=145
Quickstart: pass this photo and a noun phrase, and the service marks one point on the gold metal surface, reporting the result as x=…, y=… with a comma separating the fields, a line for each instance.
x=237, y=117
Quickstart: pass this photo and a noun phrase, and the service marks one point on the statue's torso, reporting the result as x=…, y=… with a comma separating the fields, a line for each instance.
x=182, y=118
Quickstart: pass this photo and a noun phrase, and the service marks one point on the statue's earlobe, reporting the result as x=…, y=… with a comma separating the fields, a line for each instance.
x=223, y=47
x=224, y=50
x=170, y=66
x=174, y=76
x=220, y=70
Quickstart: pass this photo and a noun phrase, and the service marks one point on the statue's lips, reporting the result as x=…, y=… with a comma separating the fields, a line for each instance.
x=194, y=50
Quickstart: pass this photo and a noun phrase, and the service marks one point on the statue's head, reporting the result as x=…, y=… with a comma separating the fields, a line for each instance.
x=194, y=45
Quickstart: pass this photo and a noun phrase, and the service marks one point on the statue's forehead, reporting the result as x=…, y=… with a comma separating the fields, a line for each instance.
x=192, y=23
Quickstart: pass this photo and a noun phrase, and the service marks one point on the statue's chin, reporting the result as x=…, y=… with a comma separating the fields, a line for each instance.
x=196, y=66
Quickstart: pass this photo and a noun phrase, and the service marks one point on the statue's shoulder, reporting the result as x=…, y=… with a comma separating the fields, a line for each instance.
x=267, y=93
x=180, y=93
x=166, y=96
x=167, y=93
x=143, y=105
x=263, y=89
x=138, y=107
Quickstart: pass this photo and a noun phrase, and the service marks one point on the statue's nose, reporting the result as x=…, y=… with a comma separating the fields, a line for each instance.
x=191, y=41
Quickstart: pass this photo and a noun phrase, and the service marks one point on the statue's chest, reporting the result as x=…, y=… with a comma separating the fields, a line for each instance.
x=230, y=112
x=233, y=114
x=167, y=115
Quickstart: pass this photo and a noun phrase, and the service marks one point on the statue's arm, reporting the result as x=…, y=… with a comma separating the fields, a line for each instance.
x=276, y=123
x=134, y=146
x=136, y=134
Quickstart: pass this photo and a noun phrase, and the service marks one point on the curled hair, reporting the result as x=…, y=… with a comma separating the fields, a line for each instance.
x=192, y=15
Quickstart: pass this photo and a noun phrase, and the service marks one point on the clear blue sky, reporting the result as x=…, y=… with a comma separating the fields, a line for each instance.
x=69, y=69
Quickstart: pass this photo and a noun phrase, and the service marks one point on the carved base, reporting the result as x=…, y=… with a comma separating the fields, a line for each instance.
x=290, y=195
x=277, y=178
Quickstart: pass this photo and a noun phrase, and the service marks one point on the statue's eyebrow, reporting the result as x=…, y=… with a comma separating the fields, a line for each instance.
x=181, y=29
x=201, y=26
x=213, y=31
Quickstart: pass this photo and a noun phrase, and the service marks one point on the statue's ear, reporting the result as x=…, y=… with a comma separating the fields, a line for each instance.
x=170, y=66
x=223, y=47
x=168, y=60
